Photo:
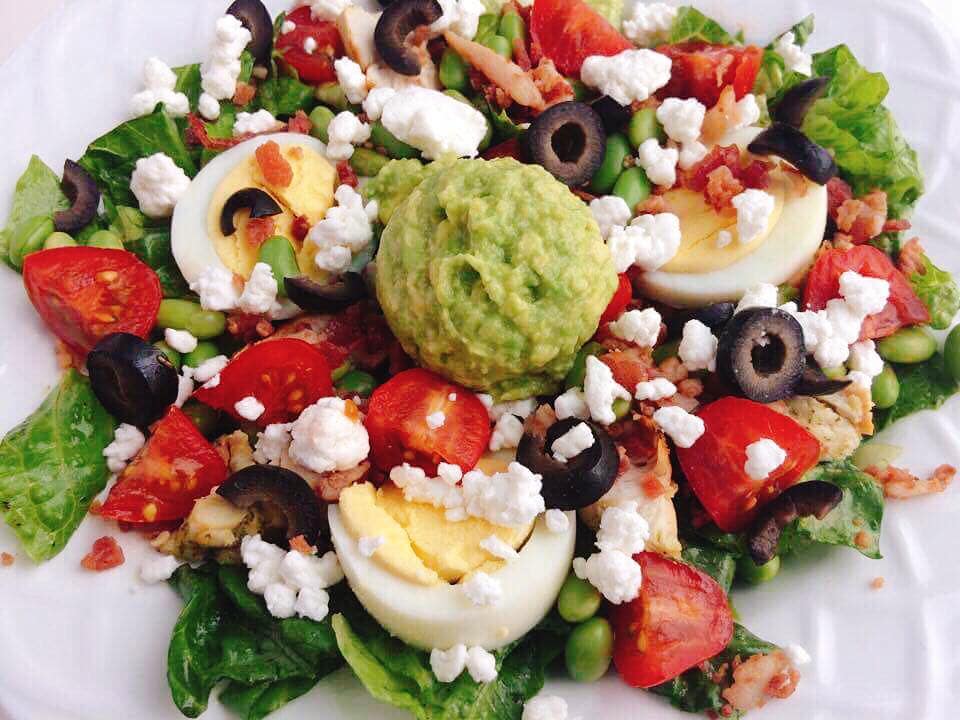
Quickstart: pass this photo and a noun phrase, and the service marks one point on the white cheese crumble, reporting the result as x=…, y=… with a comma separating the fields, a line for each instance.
x=510, y=498
x=436, y=420
x=448, y=665
x=259, y=294
x=262, y=121
x=610, y=211
x=369, y=545
x=324, y=438
x=312, y=604
x=158, y=183
x=864, y=362
x=506, y=433
x=698, y=347
x=328, y=9
x=498, y=548
x=180, y=340
x=641, y=327
x=763, y=295
x=682, y=427
x=649, y=24
x=547, y=707
x=481, y=665
x=127, y=442
x=272, y=443
x=865, y=295
x=601, y=390
x=724, y=238
x=798, y=654
x=691, y=153
x=288, y=26
x=375, y=100
x=763, y=457
x=452, y=397
x=217, y=289
x=571, y=404
x=281, y=600
x=209, y=106
x=682, y=120
x=220, y=72
x=351, y=78
x=656, y=389
x=460, y=16
x=623, y=528
x=613, y=573
x=159, y=83
x=434, y=122
x=649, y=241
x=310, y=45
x=557, y=521
x=628, y=77
x=184, y=389
x=482, y=589
x=158, y=568
x=572, y=443
x=346, y=229
x=747, y=112
x=793, y=55
x=521, y=408
x=249, y=408
x=343, y=132
x=754, y=209
x=659, y=163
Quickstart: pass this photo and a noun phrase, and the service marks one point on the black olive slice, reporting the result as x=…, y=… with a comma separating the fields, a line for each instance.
x=613, y=114
x=815, y=498
x=713, y=316
x=398, y=20
x=813, y=383
x=797, y=101
x=761, y=352
x=568, y=140
x=796, y=148
x=133, y=380
x=255, y=18
x=84, y=197
x=281, y=489
x=256, y=200
x=582, y=480
x=314, y=297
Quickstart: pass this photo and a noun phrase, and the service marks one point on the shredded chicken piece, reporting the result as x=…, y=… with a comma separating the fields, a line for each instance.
x=760, y=678
x=502, y=72
x=901, y=484
x=300, y=544
x=673, y=370
x=721, y=117
x=551, y=84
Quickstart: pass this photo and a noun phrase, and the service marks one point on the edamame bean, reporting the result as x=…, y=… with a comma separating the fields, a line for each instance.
x=616, y=152
x=105, y=239
x=633, y=186
x=396, y=149
x=332, y=95
x=339, y=372
x=321, y=116
x=885, y=388
x=453, y=71
x=57, y=240
x=189, y=316
x=486, y=26
x=207, y=324
x=643, y=126
x=837, y=373
x=578, y=371
x=29, y=237
x=203, y=416
x=204, y=351
x=755, y=574
x=278, y=253
x=512, y=28
x=580, y=91
x=357, y=382
x=499, y=44
x=367, y=162
x=908, y=346
x=578, y=600
x=621, y=408
x=951, y=353
x=172, y=355
x=589, y=650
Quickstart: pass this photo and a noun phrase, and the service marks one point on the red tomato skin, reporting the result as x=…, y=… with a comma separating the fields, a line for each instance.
x=77, y=289
x=621, y=298
x=904, y=307
x=698, y=70
x=397, y=425
x=176, y=467
x=285, y=375
x=714, y=465
x=681, y=618
x=315, y=68
x=106, y=554
x=570, y=31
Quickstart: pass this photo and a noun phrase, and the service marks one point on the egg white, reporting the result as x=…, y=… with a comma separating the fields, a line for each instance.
x=441, y=616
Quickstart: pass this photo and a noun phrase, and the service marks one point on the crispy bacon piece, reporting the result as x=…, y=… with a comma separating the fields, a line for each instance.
x=749, y=172
x=300, y=544
x=258, y=230
x=300, y=123
x=552, y=85
x=630, y=366
x=197, y=134
x=900, y=484
x=6, y=559
x=910, y=261
x=865, y=218
x=346, y=174
x=300, y=228
x=106, y=554
x=276, y=170
x=722, y=188
x=249, y=328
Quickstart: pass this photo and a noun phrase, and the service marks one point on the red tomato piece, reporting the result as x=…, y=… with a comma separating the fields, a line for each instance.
x=176, y=467
x=570, y=31
x=106, y=554
x=680, y=619
x=618, y=303
x=399, y=433
x=313, y=68
x=904, y=307
x=284, y=375
x=714, y=466
x=86, y=293
x=701, y=70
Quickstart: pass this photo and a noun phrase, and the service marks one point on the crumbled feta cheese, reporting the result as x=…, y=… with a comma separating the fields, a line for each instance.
x=448, y=665
x=262, y=560
x=158, y=568
x=754, y=209
x=691, y=153
x=328, y=9
x=557, y=521
x=659, y=163
x=793, y=55
x=521, y=408
x=351, y=78
x=346, y=229
x=698, y=347
x=325, y=438
x=601, y=390
x=299, y=570
x=610, y=211
x=375, y=100
x=281, y=600
x=212, y=382
x=724, y=238
x=159, y=83
x=482, y=589
x=506, y=433
x=641, y=327
x=460, y=16
x=262, y=121
x=510, y=498
x=845, y=321
x=864, y=360
x=436, y=420
x=865, y=295
x=571, y=404
x=549, y=707
x=763, y=457
x=343, y=132
x=216, y=288
x=649, y=241
x=747, y=112
x=209, y=369
x=158, y=183
x=312, y=603
x=572, y=443
x=184, y=389
x=498, y=548
x=764, y=295
x=127, y=442
x=220, y=72
x=259, y=295
x=630, y=76
x=249, y=408
x=682, y=120
x=417, y=487
x=180, y=340
x=481, y=665
x=613, y=573
x=310, y=45
x=682, y=427
x=288, y=26
x=434, y=122
x=272, y=443
x=797, y=654
x=369, y=545
x=452, y=397
x=209, y=106
x=623, y=528
x=450, y=474
x=656, y=389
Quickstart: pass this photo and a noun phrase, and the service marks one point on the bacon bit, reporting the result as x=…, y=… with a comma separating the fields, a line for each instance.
x=639, y=439
x=895, y=226
x=346, y=174
x=6, y=559
x=258, y=230
x=877, y=583
x=722, y=188
x=862, y=539
x=653, y=205
x=629, y=366
x=274, y=166
x=197, y=135
x=759, y=678
x=750, y=173
x=863, y=219
x=300, y=544
x=552, y=85
x=841, y=242
x=244, y=94
x=508, y=148
x=300, y=228
x=899, y=484
x=691, y=387
x=300, y=123
x=520, y=54
x=584, y=195
x=106, y=554
x=838, y=192
x=328, y=486
x=910, y=261
x=674, y=370
x=249, y=328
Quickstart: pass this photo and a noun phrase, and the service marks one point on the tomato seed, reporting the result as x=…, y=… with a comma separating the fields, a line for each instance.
x=150, y=512
x=107, y=276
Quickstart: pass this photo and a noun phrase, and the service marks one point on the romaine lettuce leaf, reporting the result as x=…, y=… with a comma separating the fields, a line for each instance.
x=939, y=293
x=924, y=386
x=283, y=96
x=37, y=194
x=773, y=73
x=612, y=10
x=692, y=25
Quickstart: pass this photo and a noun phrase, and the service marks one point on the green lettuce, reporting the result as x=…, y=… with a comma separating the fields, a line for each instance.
x=924, y=386
x=188, y=82
x=37, y=194
x=939, y=293
x=692, y=25
x=773, y=73
x=283, y=96
x=52, y=466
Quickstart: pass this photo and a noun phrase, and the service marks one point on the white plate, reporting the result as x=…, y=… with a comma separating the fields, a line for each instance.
x=77, y=645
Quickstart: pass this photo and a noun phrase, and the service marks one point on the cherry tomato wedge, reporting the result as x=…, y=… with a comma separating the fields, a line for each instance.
x=570, y=31
x=105, y=554
x=284, y=375
x=701, y=71
x=904, y=307
x=680, y=619
x=175, y=467
x=313, y=68
x=714, y=466
x=85, y=293
x=618, y=303
x=399, y=433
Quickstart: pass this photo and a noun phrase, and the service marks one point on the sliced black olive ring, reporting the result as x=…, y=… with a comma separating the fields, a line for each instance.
x=84, y=197
x=797, y=101
x=314, y=297
x=257, y=201
x=398, y=20
x=255, y=18
x=569, y=141
x=787, y=142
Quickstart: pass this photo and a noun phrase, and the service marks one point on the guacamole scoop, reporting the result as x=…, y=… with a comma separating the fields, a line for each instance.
x=491, y=273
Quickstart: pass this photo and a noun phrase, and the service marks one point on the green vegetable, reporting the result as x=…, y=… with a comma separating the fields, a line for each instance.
x=321, y=116
x=579, y=370
x=580, y=91
x=875, y=454
x=925, y=386
x=633, y=186
x=504, y=128
x=221, y=128
x=175, y=358
x=939, y=293
x=278, y=253
x=487, y=25
x=951, y=353
x=908, y=346
x=283, y=95
x=644, y=126
x=886, y=388
x=837, y=373
x=773, y=68
x=129, y=224
x=106, y=239
x=331, y=95
x=617, y=150
x=204, y=351
x=719, y=564
x=612, y=10
x=620, y=408
x=30, y=236
x=453, y=71
x=189, y=82
x=589, y=650
x=52, y=466
x=58, y=240
x=357, y=382
x=499, y=44
x=666, y=350
x=154, y=248
x=754, y=574
x=189, y=316
x=578, y=600
x=224, y=633
x=367, y=163
x=37, y=194
x=513, y=29
x=692, y=25
x=396, y=149
x=203, y=416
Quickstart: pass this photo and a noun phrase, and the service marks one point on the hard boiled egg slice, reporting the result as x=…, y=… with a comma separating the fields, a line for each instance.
x=441, y=615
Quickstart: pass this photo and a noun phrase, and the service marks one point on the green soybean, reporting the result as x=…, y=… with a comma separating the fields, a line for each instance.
x=837, y=373
x=578, y=371
x=367, y=163
x=453, y=71
x=332, y=95
x=321, y=116
x=951, y=353
x=908, y=346
x=885, y=388
x=58, y=240
x=633, y=186
x=499, y=44
x=29, y=237
x=512, y=28
x=203, y=416
x=204, y=351
x=755, y=574
x=486, y=26
x=589, y=650
x=578, y=600
x=189, y=316
x=580, y=91
x=207, y=324
x=606, y=176
x=644, y=126
x=106, y=239
x=621, y=408
x=357, y=382
x=278, y=253
x=395, y=148
x=172, y=355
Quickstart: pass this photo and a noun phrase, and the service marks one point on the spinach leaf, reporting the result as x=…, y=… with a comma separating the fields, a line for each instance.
x=924, y=386
x=37, y=194
x=283, y=95
x=719, y=564
x=939, y=293
x=52, y=466
x=153, y=247
x=188, y=82
x=221, y=128
x=692, y=25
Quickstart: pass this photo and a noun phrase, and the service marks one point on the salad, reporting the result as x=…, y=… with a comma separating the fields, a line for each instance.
x=460, y=343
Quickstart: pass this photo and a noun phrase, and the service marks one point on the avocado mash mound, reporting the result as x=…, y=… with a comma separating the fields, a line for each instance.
x=492, y=273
